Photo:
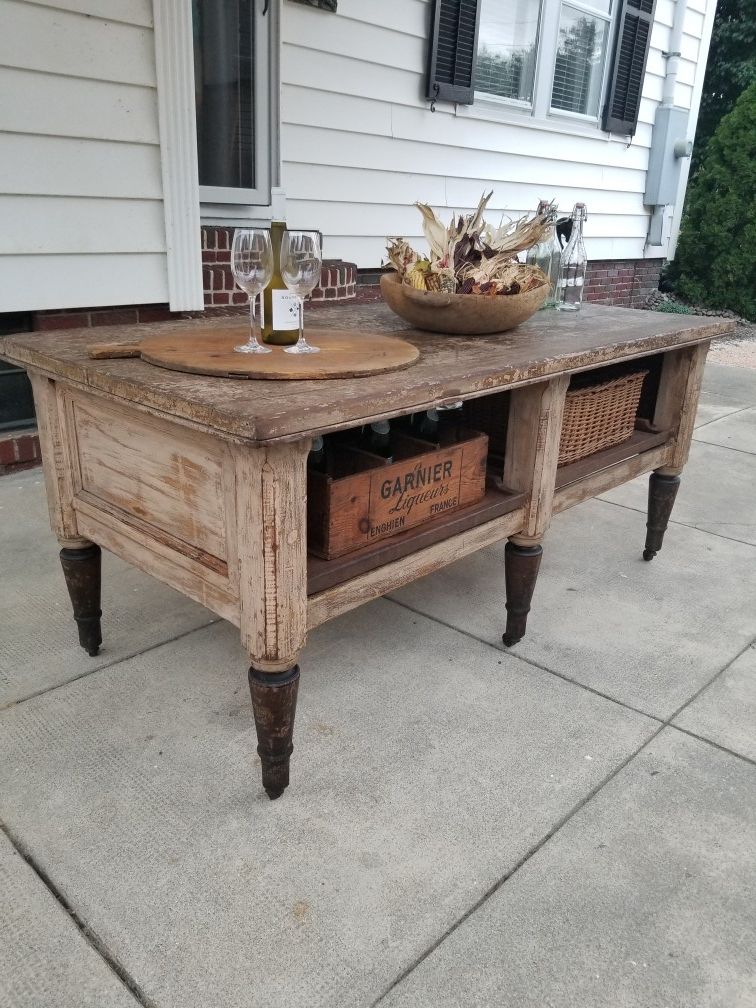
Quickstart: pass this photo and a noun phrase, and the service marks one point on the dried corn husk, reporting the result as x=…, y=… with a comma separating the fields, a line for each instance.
x=401, y=255
x=469, y=256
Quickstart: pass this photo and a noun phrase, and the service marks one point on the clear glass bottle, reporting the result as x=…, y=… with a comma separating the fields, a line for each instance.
x=574, y=264
x=547, y=254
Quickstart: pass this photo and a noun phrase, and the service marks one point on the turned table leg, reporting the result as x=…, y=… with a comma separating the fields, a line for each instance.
x=271, y=527
x=531, y=460
x=662, y=490
x=81, y=569
x=521, y=564
x=274, y=702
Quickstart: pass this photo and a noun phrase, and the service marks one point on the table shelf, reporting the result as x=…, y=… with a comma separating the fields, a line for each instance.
x=591, y=476
x=641, y=441
x=323, y=574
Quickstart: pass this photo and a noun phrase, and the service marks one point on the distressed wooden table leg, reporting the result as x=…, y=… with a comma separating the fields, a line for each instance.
x=521, y=565
x=662, y=490
x=81, y=569
x=535, y=426
x=271, y=509
x=677, y=403
x=79, y=557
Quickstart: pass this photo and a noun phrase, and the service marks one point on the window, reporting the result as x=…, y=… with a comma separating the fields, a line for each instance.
x=513, y=62
x=507, y=49
x=548, y=56
x=579, y=64
x=232, y=100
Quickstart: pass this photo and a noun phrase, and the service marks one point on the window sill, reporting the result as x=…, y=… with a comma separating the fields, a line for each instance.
x=234, y=213
x=512, y=115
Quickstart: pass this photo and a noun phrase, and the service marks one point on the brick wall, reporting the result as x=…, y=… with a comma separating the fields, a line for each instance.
x=624, y=282
x=338, y=280
x=18, y=450
x=217, y=281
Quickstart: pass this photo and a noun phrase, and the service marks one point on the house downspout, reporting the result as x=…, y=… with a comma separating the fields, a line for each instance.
x=668, y=139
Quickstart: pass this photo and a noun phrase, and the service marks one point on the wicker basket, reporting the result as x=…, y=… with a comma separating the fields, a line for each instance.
x=599, y=416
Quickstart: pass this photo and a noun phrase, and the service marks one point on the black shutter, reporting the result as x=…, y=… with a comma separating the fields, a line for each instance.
x=628, y=66
x=453, y=50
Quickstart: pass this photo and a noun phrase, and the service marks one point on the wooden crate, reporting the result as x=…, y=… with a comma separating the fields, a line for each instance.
x=377, y=500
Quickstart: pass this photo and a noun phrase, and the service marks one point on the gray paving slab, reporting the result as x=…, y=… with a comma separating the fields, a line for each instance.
x=45, y=961
x=729, y=386
x=643, y=900
x=726, y=711
x=737, y=431
x=708, y=412
x=426, y=766
x=647, y=634
x=38, y=643
x=716, y=493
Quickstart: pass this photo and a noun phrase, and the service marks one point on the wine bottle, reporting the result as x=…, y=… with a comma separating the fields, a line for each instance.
x=379, y=440
x=280, y=308
x=428, y=426
x=317, y=456
x=450, y=422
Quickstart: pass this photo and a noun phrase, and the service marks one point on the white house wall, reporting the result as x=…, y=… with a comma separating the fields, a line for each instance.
x=80, y=174
x=360, y=145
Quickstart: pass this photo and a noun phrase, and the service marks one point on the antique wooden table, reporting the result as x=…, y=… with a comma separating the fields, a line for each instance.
x=201, y=482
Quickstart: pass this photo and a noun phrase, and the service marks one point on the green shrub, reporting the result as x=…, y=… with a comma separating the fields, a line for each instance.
x=715, y=263
x=674, y=308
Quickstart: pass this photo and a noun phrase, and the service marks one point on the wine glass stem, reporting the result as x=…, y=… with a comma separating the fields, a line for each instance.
x=253, y=335
x=301, y=322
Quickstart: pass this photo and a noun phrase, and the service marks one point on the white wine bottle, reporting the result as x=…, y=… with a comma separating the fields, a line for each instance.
x=280, y=308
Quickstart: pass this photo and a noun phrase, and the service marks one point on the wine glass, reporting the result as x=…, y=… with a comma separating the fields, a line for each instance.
x=300, y=269
x=252, y=266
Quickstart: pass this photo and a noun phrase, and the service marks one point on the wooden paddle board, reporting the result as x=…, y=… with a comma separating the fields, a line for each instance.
x=343, y=354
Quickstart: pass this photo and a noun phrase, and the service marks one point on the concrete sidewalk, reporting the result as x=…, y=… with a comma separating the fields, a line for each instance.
x=572, y=823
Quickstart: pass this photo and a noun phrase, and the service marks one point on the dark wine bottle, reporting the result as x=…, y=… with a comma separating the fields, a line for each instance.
x=317, y=457
x=379, y=440
x=450, y=422
x=280, y=308
x=428, y=426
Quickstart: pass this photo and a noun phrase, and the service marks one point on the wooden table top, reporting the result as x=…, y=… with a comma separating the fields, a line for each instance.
x=450, y=367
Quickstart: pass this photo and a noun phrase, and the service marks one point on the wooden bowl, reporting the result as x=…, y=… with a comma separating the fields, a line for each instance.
x=461, y=314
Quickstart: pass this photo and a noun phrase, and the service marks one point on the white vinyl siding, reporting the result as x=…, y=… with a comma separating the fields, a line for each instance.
x=80, y=176
x=359, y=144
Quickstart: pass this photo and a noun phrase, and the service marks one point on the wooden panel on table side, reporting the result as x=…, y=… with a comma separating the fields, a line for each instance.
x=450, y=367
x=322, y=574
x=172, y=568
x=160, y=474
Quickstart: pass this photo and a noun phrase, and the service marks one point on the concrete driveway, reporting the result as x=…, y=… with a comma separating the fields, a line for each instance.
x=572, y=823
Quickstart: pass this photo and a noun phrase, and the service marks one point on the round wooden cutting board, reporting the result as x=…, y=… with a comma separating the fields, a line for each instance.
x=343, y=354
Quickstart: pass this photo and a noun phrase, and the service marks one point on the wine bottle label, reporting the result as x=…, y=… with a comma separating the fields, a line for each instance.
x=285, y=310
